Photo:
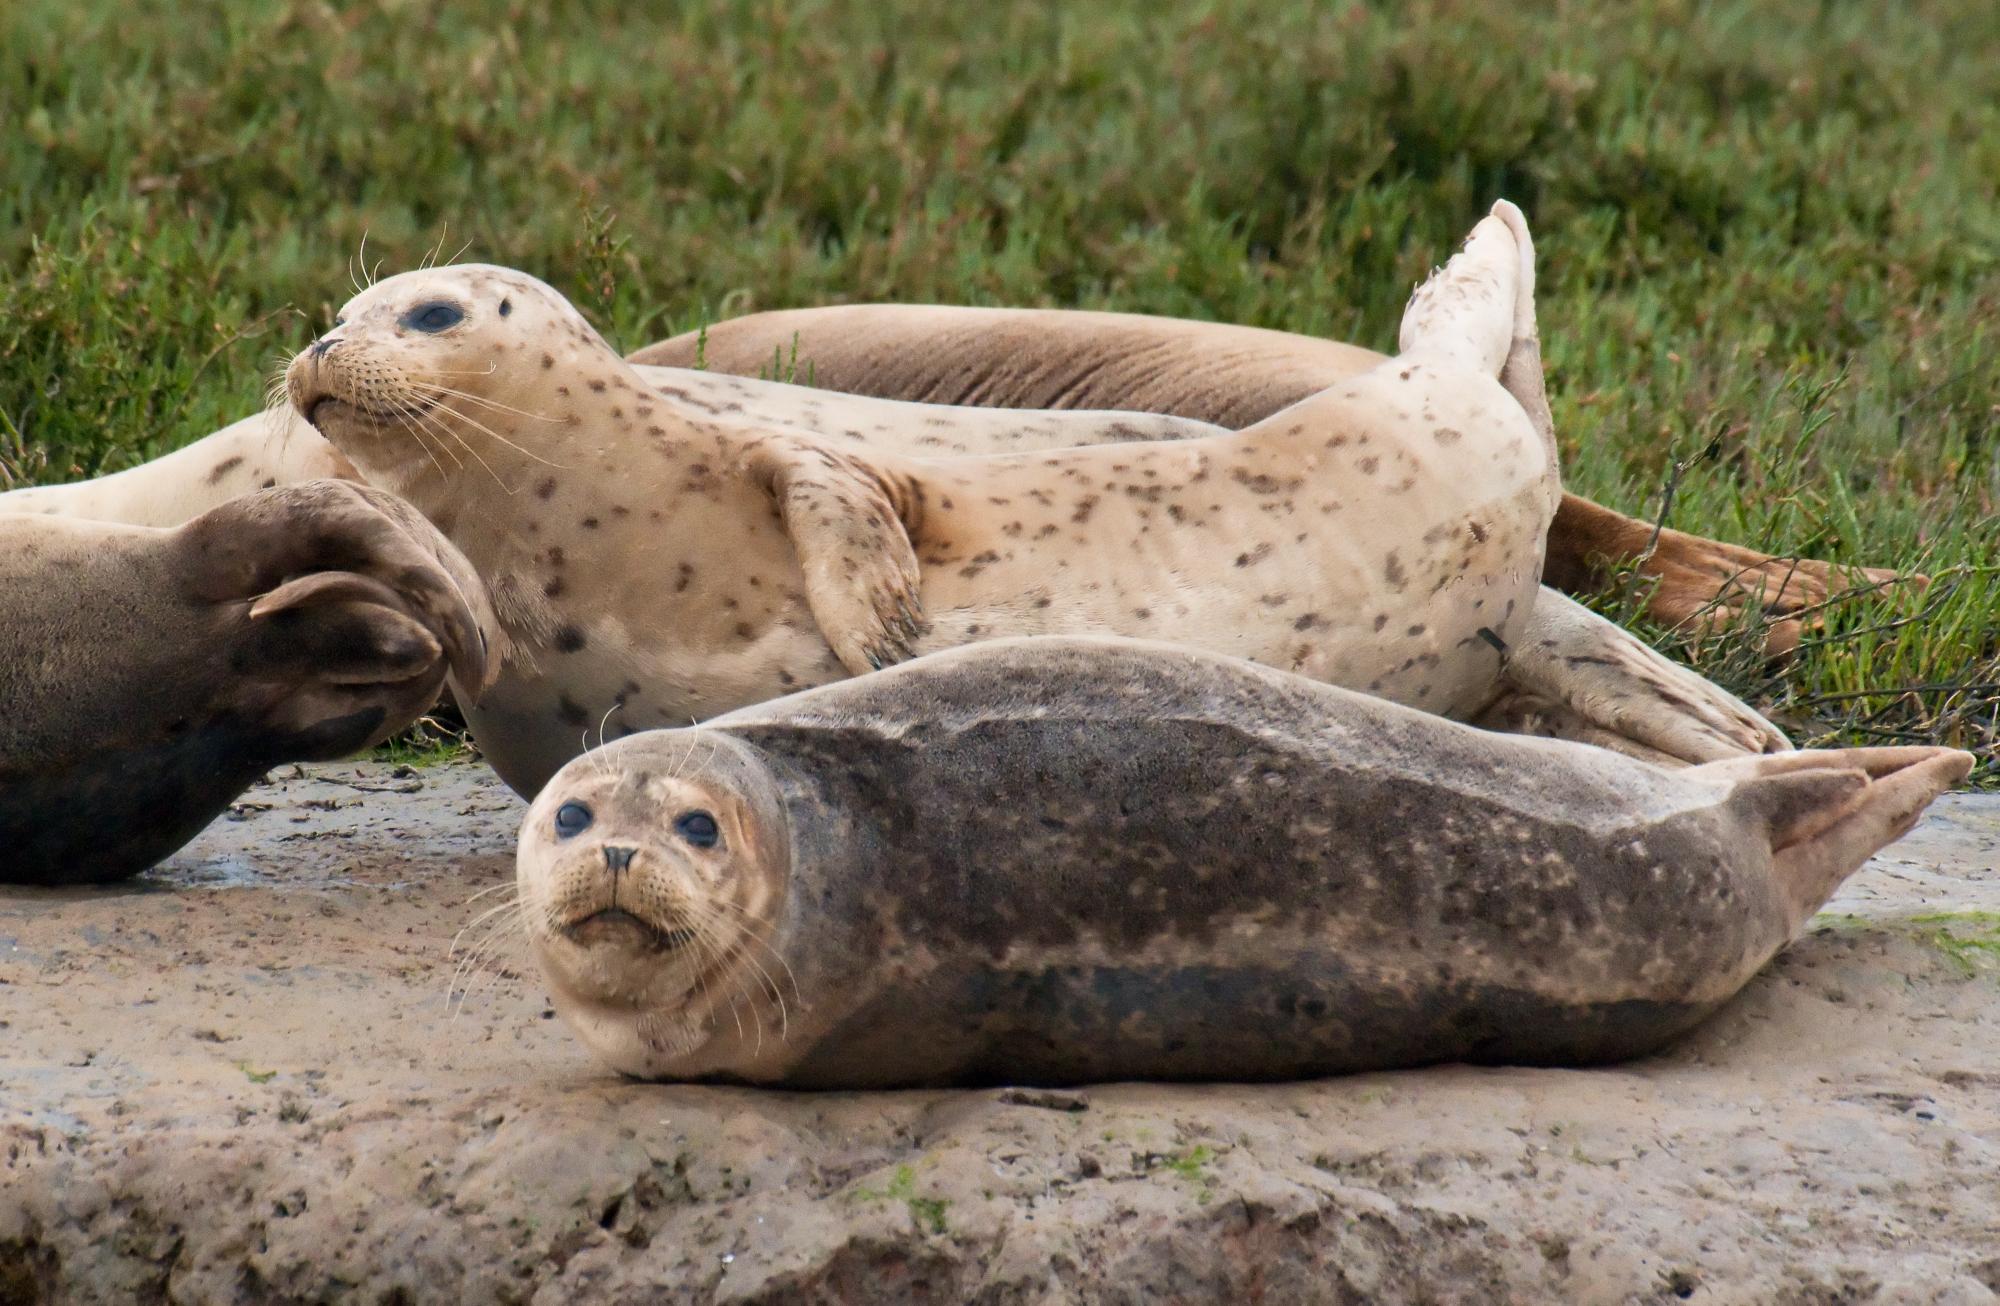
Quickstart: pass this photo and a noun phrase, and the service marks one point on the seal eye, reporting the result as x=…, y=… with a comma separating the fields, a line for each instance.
x=434, y=317
x=572, y=819
x=698, y=828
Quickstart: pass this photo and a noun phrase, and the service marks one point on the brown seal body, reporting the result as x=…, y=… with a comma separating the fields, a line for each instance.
x=149, y=675
x=1070, y=860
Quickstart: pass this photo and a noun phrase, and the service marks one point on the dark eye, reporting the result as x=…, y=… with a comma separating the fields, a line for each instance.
x=572, y=819
x=434, y=317
x=698, y=828
x=340, y=321
x=506, y=307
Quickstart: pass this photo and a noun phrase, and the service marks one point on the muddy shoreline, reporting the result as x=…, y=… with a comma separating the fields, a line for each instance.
x=247, y=1077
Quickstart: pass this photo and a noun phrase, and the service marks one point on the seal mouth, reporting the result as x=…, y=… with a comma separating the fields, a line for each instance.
x=319, y=404
x=616, y=926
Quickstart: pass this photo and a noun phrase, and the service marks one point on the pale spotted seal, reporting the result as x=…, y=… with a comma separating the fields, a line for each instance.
x=1057, y=860
x=1232, y=376
x=655, y=558
x=148, y=675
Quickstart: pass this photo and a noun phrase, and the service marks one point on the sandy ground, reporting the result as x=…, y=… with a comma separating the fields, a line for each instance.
x=241, y=1079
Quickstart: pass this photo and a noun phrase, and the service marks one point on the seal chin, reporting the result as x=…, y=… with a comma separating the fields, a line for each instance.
x=615, y=927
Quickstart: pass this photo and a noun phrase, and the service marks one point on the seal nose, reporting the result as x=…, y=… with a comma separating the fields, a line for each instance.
x=618, y=859
x=321, y=346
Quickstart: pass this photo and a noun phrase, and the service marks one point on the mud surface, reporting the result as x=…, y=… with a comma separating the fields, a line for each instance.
x=242, y=1079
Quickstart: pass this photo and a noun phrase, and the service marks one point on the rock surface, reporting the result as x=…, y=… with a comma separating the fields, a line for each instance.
x=242, y=1078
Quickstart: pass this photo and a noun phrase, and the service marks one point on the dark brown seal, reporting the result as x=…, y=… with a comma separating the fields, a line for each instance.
x=1059, y=860
x=148, y=676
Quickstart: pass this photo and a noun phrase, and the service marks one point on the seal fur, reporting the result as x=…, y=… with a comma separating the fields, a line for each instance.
x=656, y=560
x=1063, y=861
x=149, y=675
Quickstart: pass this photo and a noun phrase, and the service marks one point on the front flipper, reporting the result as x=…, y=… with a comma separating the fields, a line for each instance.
x=352, y=607
x=1618, y=685
x=851, y=526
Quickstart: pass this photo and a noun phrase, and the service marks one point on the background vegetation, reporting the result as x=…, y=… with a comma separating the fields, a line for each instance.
x=1769, y=227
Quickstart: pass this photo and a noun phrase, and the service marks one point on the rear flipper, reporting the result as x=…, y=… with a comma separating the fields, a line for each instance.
x=1826, y=811
x=1615, y=685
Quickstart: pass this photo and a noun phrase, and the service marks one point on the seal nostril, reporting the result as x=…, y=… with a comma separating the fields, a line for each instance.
x=618, y=859
x=321, y=346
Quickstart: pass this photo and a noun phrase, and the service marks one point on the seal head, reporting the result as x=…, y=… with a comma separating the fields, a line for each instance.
x=650, y=894
x=420, y=367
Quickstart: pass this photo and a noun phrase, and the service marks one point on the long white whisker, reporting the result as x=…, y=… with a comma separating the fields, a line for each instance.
x=421, y=379
x=443, y=407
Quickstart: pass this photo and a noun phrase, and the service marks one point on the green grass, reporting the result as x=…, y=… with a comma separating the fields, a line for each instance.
x=1769, y=228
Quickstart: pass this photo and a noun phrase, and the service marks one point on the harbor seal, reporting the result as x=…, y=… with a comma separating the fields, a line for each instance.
x=149, y=675
x=1069, y=860
x=655, y=559
x=1233, y=376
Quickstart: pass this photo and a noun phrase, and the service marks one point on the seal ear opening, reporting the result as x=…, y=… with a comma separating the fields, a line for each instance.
x=1827, y=812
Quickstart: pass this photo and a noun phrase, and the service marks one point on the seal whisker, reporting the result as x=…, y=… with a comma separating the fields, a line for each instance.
x=750, y=936
x=711, y=914
x=707, y=958
x=423, y=378
x=501, y=887
x=503, y=923
x=439, y=404
x=439, y=393
x=437, y=429
x=465, y=974
x=430, y=255
x=404, y=420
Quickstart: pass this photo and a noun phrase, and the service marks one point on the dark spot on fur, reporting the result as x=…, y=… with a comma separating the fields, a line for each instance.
x=570, y=640
x=546, y=488
x=223, y=469
x=571, y=711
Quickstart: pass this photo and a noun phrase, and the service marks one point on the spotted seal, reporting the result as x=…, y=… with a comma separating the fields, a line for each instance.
x=149, y=675
x=1066, y=860
x=656, y=558
x=1039, y=358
